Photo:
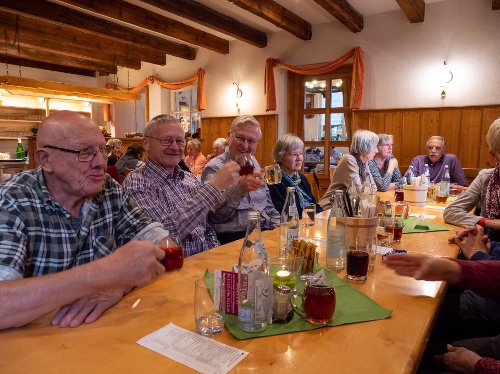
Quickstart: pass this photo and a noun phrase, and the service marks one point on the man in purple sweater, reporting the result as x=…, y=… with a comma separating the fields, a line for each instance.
x=436, y=159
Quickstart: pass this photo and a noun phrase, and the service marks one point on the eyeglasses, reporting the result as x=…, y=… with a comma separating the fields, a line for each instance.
x=388, y=145
x=242, y=139
x=84, y=155
x=168, y=141
x=431, y=147
x=295, y=155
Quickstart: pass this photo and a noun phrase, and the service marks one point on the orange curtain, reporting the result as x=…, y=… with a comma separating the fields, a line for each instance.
x=199, y=76
x=357, y=75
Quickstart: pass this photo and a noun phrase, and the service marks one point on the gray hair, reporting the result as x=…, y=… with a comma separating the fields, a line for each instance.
x=286, y=143
x=113, y=143
x=241, y=120
x=435, y=137
x=362, y=142
x=493, y=136
x=161, y=118
x=195, y=143
x=220, y=142
x=384, y=138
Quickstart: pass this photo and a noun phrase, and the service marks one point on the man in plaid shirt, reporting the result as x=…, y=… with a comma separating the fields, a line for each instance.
x=60, y=228
x=176, y=198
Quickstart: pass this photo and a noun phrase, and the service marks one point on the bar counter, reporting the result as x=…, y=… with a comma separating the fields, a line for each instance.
x=393, y=345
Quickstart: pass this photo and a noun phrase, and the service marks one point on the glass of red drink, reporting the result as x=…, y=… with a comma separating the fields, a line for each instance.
x=399, y=196
x=246, y=163
x=174, y=255
x=385, y=231
x=398, y=229
x=357, y=259
x=318, y=301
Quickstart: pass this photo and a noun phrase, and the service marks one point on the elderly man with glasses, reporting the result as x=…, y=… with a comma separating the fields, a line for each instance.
x=437, y=159
x=177, y=199
x=68, y=232
x=229, y=217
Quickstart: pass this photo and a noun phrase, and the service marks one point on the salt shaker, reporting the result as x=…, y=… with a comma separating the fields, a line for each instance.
x=282, y=309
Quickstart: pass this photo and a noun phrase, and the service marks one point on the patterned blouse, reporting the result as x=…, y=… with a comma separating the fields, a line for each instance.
x=382, y=178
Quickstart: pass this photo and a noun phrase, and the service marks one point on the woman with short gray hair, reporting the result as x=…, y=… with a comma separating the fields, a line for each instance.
x=353, y=166
x=288, y=153
x=384, y=166
x=195, y=160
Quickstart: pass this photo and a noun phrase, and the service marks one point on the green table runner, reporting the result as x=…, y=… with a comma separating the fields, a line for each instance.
x=352, y=306
x=408, y=226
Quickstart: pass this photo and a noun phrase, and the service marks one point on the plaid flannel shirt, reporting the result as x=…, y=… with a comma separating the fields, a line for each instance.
x=180, y=201
x=36, y=236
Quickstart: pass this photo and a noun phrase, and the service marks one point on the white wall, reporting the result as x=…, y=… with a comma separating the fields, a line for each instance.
x=401, y=62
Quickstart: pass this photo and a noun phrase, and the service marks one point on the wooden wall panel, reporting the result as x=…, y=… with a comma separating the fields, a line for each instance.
x=430, y=126
x=411, y=145
x=394, y=127
x=361, y=120
x=450, y=129
x=470, y=137
x=218, y=127
x=464, y=129
x=377, y=122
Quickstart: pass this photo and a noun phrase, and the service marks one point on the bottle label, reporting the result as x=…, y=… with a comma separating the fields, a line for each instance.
x=261, y=250
x=253, y=306
x=292, y=211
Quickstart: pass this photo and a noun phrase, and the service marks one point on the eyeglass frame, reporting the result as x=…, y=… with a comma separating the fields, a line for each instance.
x=168, y=141
x=437, y=148
x=101, y=149
x=242, y=139
x=388, y=145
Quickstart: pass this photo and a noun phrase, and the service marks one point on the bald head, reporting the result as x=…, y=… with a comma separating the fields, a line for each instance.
x=64, y=128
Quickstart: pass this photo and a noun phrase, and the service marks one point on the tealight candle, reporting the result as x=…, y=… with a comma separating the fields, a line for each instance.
x=283, y=273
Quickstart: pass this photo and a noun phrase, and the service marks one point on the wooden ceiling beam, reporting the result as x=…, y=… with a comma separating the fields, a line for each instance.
x=45, y=10
x=495, y=4
x=205, y=16
x=413, y=9
x=75, y=39
x=344, y=12
x=278, y=15
x=11, y=60
x=41, y=42
x=122, y=11
x=60, y=59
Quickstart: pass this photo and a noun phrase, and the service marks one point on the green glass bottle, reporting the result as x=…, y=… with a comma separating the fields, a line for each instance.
x=19, y=150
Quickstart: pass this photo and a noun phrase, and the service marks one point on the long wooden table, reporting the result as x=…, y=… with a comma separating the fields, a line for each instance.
x=393, y=345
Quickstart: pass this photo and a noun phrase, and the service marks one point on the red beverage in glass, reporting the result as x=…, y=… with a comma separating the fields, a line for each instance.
x=398, y=233
x=357, y=264
x=246, y=169
x=174, y=259
x=319, y=303
x=399, y=195
x=389, y=229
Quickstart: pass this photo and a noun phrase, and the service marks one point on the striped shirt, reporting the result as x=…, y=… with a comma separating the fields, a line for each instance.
x=180, y=201
x=37, y=236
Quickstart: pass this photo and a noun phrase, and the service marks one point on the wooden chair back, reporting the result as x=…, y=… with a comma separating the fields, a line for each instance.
x=314, y=185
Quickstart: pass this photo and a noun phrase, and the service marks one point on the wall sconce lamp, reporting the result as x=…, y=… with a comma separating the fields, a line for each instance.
x=238, y=93
x=445, y=76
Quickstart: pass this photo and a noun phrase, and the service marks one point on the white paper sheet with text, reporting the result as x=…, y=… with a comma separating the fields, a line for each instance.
x=195, y=351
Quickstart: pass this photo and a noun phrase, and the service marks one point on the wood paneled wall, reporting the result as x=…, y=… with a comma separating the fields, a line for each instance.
x=218, y=127
x=464, y=129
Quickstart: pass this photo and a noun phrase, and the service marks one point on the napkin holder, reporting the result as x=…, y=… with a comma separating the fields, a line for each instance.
x=416, y=195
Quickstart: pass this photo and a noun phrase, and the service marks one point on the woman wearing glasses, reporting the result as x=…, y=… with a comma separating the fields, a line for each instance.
x=384, y=166
x=288, y=153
